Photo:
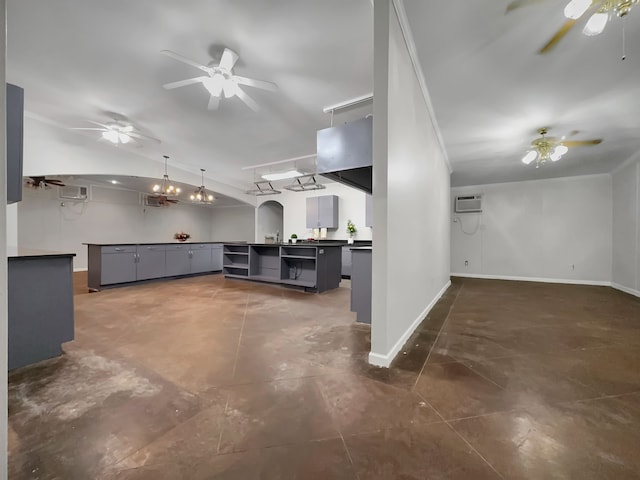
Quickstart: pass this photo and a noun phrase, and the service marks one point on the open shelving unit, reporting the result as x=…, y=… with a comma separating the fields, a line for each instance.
x=235, y=261
x=312, y=267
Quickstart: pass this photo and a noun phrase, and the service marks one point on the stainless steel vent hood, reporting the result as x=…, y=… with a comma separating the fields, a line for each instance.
x=345, y=153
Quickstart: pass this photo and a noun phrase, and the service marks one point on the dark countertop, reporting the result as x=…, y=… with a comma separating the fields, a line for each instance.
x=24, y=252
x=366, y=249
x=150, y=243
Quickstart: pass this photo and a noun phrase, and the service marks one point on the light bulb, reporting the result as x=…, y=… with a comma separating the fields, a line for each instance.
x=124, y=138
x=110, y=135
x=192, y=197
x=178, y=190
x=596, y=24
x=214, y=84
x=529, y=157
x=576, y=8
x=199, y=197
x=554, y=157
x=560, y=150
x=156, y=188
x=210, y=198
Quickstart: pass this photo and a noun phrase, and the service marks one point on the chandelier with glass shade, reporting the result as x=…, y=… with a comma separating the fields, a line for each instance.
x=550, y=149
x=201, y=195
x=165, y=187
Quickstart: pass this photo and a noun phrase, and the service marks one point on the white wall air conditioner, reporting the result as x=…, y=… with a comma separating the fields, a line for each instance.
x=468, y=203
x=73, y=192
x=152, y=201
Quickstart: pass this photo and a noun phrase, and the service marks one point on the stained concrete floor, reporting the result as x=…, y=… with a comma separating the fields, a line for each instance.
x=203, y=378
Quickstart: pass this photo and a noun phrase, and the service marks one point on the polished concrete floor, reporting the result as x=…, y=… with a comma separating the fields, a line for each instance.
x=203, y=378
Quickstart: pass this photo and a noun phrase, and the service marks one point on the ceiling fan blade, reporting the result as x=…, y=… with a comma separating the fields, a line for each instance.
x=250, y=102
x=188, y=61
x=184, y=83
x=142, y=136
x=582, y=143
x=229, y=59
x=522, y=3
x=252, y=82
x=559, y=35
x=103, y=125
x=93, y=129
x=214, y=103
x=56, y=183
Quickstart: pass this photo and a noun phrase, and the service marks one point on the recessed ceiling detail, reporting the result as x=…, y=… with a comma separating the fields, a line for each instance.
x=220, y=80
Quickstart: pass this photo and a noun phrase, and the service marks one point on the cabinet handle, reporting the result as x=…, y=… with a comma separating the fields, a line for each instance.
x=119, y=249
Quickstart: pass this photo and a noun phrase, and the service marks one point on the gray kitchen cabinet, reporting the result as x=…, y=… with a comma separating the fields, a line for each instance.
x=322, y=211
x=178, y=261
x=151, y=262
x=216, y=258
x=346, y=261
x=368, y=211
x=200, y=258
x=15, y=134
x=119, y=265
x=361, y=284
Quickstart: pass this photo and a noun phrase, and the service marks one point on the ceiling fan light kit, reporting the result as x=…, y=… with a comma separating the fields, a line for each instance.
x=118, y=132
x=165, y=187
x=551, y=149
x=220, y=80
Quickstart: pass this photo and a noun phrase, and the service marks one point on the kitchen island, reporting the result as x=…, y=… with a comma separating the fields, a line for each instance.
x=40, y=304
x=117, y=264
x=313, y=266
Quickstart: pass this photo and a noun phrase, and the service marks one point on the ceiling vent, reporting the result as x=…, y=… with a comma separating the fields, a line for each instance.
x=468, y=204
x=73, y=192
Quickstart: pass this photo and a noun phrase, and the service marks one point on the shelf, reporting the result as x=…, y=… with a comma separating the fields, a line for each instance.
x=237, y=253
x=265, y=278
x=299, y=283
x=299, y=257
x=239, y=266
x=233, y=275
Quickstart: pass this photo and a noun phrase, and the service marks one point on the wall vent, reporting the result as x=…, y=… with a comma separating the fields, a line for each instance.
x=73, y=192
x=152, y=201
x=468, y=204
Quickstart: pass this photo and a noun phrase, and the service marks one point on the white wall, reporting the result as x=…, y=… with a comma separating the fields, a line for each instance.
x=351, y=205
x=626, y=228
x=45, y=224
x=410, y=194
x=558, y=229
x=230, y=224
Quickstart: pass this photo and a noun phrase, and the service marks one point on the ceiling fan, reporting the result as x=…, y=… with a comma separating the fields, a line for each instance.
x=220, y=80
x=601, y=12
x=552, y=149
x=118, y=132
x=158, y=200
x=43, y=182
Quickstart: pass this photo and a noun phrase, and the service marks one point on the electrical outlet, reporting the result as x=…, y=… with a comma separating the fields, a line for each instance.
x=466, y=263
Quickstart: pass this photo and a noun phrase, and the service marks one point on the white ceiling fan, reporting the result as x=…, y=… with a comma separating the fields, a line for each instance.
x=220, y=80
x=118, y=132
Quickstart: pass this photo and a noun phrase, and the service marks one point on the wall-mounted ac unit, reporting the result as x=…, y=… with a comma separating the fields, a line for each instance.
x=73, y=192
x=152, y=201
x=468, y=203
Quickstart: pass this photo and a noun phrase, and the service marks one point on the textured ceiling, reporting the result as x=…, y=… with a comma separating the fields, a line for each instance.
x=82, y=60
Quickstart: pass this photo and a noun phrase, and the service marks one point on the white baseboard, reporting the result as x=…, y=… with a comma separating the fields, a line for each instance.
x=384, y=360
x=624, y=289
x=571, y=281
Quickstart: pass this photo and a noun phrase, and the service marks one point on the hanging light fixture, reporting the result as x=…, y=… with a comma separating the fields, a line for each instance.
x=165, y=187
x=544, y=149
x=201, y=195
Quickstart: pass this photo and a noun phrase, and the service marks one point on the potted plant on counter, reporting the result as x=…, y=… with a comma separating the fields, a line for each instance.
x=182, y=236
x=351, y=230
x=294, y=238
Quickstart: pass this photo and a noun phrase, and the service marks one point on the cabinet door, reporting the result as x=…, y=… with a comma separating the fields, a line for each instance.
x=118, y=268
x=368, y=211
x=151, y=261
x=216, y=258
x=178, y=262
x=328, y=211
x=346, y=261
x=312, y=212
x=201, y=260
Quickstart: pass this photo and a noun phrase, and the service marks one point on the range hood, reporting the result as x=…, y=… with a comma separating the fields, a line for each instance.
x=345, y=153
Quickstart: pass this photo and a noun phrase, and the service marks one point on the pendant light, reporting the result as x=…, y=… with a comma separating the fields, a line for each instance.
x=164, y=187
x=201, y=195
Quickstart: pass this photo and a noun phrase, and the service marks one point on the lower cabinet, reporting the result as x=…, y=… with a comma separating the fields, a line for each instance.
x=113, y=264
x=346, y=261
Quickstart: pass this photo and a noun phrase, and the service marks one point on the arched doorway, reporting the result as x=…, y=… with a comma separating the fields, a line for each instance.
x=270, y=221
